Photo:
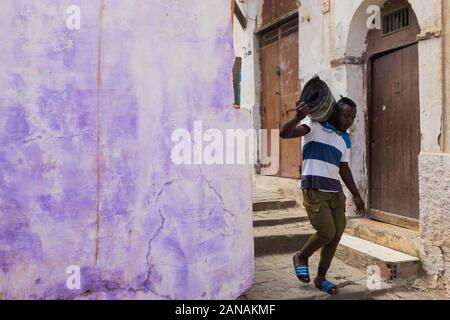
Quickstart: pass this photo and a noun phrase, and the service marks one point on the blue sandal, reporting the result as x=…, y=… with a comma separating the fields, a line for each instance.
x=302, y=272
x=328, y=287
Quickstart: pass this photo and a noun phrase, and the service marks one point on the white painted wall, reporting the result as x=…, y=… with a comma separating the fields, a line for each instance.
x=246, y=46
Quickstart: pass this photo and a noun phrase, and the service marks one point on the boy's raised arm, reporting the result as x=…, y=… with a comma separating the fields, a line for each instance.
x=292, y=129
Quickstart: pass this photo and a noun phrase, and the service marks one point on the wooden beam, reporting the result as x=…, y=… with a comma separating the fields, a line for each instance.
x=239, y=15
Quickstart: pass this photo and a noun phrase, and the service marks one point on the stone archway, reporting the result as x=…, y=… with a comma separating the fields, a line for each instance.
x=429, y=17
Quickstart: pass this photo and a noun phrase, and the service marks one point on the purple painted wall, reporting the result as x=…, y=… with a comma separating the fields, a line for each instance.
x=85, y=139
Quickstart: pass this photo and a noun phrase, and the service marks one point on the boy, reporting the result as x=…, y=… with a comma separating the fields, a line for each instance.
x=326, y=148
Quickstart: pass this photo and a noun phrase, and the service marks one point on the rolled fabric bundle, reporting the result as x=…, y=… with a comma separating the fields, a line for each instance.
x=317, y=95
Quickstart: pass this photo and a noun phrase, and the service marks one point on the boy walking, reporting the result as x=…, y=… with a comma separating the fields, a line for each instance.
x=326, y=149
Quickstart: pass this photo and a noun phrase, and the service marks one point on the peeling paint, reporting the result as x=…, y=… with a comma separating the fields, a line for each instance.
x=85, y=171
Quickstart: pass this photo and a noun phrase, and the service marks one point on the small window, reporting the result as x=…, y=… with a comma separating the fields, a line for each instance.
x=396, y=21
x=289, y=28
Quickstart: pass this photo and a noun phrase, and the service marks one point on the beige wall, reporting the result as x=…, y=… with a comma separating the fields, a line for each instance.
x=446, y=20
x=434, y=178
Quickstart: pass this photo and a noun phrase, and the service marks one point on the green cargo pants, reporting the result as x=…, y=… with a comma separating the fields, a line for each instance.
x=326, y=212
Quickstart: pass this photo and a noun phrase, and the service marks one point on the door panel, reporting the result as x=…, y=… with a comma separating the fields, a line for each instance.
x=270, y=116
x=290, y=92
x=280, y=90
x=395, y=133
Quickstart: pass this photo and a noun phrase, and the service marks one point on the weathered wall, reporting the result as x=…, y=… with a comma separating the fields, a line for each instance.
x=85, y=138
x=246, y=46
x=434, y=182
x=434, y=171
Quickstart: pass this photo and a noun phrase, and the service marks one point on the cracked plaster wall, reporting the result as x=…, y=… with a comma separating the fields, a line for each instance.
x=85, y=172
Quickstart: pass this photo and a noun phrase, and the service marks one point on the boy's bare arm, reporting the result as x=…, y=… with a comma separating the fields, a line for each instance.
x=292, y=128
x=347, y=177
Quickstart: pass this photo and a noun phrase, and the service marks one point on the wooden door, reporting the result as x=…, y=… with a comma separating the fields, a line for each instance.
x=395, y=133
x=280, y=89
x=290, y=92
x=270, y=95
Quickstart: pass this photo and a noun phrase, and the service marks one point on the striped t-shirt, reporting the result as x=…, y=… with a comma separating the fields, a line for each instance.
x=324, y=148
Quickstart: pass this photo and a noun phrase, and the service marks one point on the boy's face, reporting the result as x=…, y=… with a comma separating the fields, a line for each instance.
x=345, y=117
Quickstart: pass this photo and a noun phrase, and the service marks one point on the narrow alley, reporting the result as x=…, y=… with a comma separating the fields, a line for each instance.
x=280, y=229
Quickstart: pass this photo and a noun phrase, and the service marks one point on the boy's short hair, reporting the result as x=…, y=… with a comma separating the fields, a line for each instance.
x=343, y=101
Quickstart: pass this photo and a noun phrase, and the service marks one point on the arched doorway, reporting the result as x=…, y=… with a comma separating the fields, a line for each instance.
x=393, y=98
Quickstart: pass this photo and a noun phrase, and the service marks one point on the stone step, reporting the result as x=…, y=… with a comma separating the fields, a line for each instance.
x=279, y=217
x=394, y=237
x=268, y=200
x=265, y=205
x=361, y=254
x=281, y=238
x=394, y=219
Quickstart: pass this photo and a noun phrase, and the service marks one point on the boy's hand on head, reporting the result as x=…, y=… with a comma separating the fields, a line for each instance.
x=360, y=206
x=302, y=110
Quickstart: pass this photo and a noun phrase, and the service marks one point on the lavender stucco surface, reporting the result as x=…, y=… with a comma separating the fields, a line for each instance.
x=85, y=139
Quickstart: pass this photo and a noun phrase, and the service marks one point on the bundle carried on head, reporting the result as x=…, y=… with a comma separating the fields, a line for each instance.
x=317, y=95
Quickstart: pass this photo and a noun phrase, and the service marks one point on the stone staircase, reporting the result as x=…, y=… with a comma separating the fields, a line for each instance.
x=281, y=226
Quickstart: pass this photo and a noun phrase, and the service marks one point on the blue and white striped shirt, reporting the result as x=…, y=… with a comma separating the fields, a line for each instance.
x=324, y=148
